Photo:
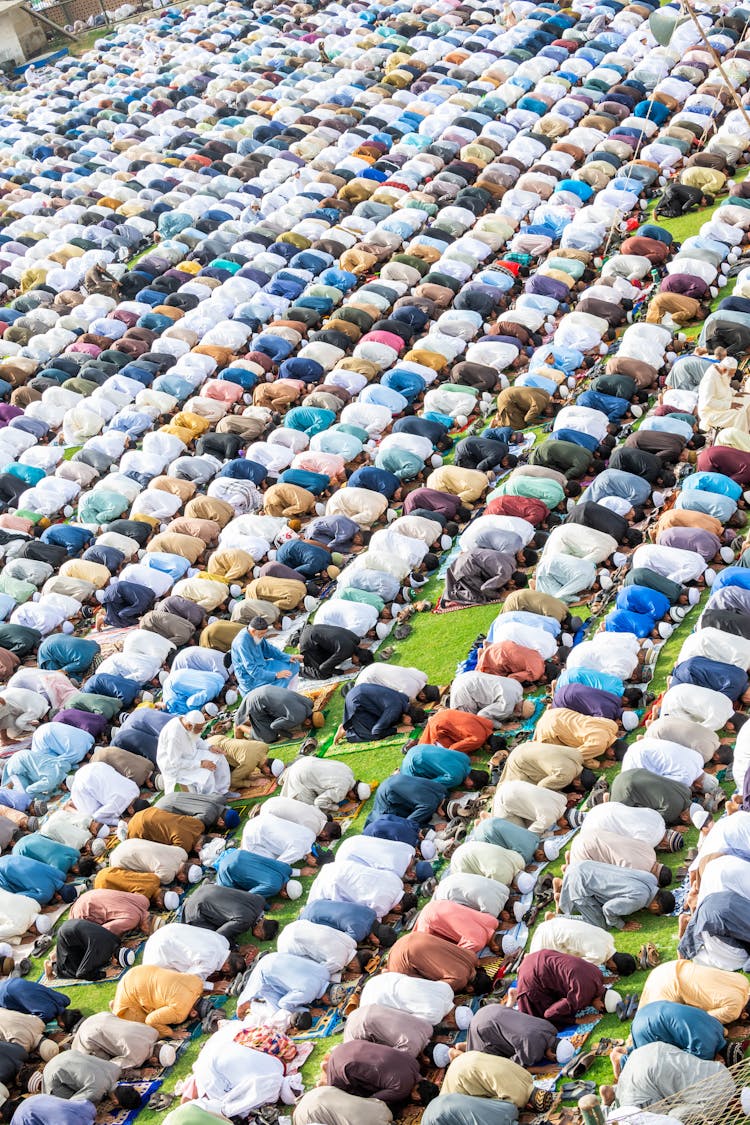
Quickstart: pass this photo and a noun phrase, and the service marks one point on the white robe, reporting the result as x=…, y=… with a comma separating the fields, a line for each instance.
x=17, y=915
x=410, y=681
x=186, y=949
x=429, y=999
x=179, y=757
x=646, y=825
x=101, y=793
x=233, y=1080
x=698, y=704
x=331, y=948
x=666, y=759
x=277, y=838
x=574, y=937
x=385, y=855
x=287, y=808
x=529, y=805
x=345, y=881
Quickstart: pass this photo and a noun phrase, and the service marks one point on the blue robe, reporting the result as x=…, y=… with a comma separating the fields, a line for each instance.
x=308, y=559
x=250, y=872
x=257, y=663
x=642, y=599
x=449, y=768
x=33, y=999
x=63, y=653
x=690, y=1029
x=23, y=876
x=391, y=827
x=46, y=851
x=713, y=674
x=43, y=1109
x=625, y=621
x=725, y=915
x=497, y=830
x=413, y=798
x=350, y=918
x=372, y=711
x=189, y=690
x=55, y=749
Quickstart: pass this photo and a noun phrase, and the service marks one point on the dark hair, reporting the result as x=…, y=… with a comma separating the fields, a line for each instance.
x=540, y=538
x=620, y=748
x=236, y=962
x=426, y=1091
x=127, y=1097
x=530, y=557
x=430, y=693
x=451, y=528
x=364, y=655
x=480, y=778
x=416, y=714
x=510, y=460
x=665, y=876
x=625, y=964
x=633, y=537
x=324, y=856
x=482, y=982
x=633, y=696
x=519, y=579
x=69, y=1017
x=269, y=928
x=86, y=865
x=723, y=755
x=331, y=830
x=463, y=513
x=668, y=479
x=738, y=720
x=572, y=488
x=9, y=1108
x=497, y=742
x=430, y=561
x=551, y=669
x=302, y=1021
x=386, y=935
x=408, y=902
x=665, y=900
x=140, y=805
x=588, y=779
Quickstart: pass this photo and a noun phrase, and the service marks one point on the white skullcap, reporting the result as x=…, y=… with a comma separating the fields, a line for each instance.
x=619, y=558
x=103, y=832
x=67, y=627
x=518, y=911
x=43, y=923
x=694, y=596
x=171, y=900
x=167, y=1055
x=235, y=590
x=460, y=420
x=564, y=1051
x=211, y=710
x=363, y=790
x=629, y=720
x=33, y=1085
x=698, y=815
x=195, y=718
x=745, y=1100
x=657, y=498
x=509, y=945
x=126, y=957
x=611, y=999
x=464, y=1016
x=194, y=873
x=293, y=889
x=6, y=950
x=710, y=575
x=746, y=496
x=277, y=767
x=665, y=630
x=566, y=639
x=231, y=697
x=99, y=595
x=382, y=629
x=525, y=882
x=428, y=849
x=441, y=1055
x=4, y=1093
x=97, y=848
x=551, y=849
x=727, y=554
x=436, y=460
x=605, y=581
x=147, y=697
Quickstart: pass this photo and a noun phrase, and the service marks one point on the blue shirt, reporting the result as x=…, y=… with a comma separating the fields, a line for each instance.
x=44, y=1109
x=33, y=999
x=690, y=1029
x=348, y=917
x=251, y=872
x=497, y=830
x=449, y=768
x=391, y=827
x=287, y=981
x=589, y=676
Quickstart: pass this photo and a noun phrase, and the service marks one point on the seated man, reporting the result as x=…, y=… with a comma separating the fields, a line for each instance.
x=185, y=760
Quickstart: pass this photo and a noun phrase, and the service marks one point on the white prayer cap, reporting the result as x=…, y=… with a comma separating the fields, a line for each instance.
x=163, y=676
x=235, y=590
x=566, y=639
x=33, y=1085
x=564, y=1051
x=48, y=1049
x=441, y=1055
x=194, y=873
x=211, y=710
x=382, y=629
x=519, y=910
x=603, y=349
x=746, y=496
x=98, y=846
x=147, y=697
x=611, y=999
x=665, y=630
x=657, y=498
x=99, y=595
x=231, y=697
x=436, y=460
x=171, y=900
x=5, y=1092
x=192, y=572
x=629, y=720
x=126, y=957
x=551, y=849
x=605, y=580
x=525, y=882
x=694, y=596
x=195, y=718
x=445, y=542
x=6, y=950
x=461, y=420
x=363, y=790
x=67, y=627
x=677, y=613
x=43, y=923
x=619, y=558
x=710, y=575
x=464, y=1016
x=428, y=849
x=727, y=555
x=509, y=945
x=745, y=1100
x=103, y=832
x=277, y=767
x=698, y=815
x=293, y=889
x=167, y=1055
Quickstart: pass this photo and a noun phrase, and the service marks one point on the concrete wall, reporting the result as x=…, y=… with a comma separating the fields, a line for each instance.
x=20, y=36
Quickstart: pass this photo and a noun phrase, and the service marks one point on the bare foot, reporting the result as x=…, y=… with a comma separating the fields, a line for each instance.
x=49, y=968
x=631, y=926
x=607, y=1094
x=682, y=924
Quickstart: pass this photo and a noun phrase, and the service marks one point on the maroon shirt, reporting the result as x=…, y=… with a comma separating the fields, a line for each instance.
x=556, y=986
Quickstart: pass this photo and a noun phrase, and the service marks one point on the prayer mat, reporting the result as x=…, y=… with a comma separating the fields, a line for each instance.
x=332, y=1019
x=118, y=1116
x=113, y=971
x=258, y=787
x=343, y=748
x=548, y=1073
x=28, y=941
x=110, y=640
x=13, y=747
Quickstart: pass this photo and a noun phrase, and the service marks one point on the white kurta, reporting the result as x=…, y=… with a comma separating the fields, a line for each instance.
x=322, y=782
x=575, y=937
x=345, y=881
x=277, y=838
x=179, y=756
x=233, y=1080
x=287, y=808
x=529, y=805
x=17, y=915
x=186, y=949
x=429, y=999
x=646, y=825
x=410, y=681
x=371, y=851
x=698, y=704
x=100, y=792
x=331, y=948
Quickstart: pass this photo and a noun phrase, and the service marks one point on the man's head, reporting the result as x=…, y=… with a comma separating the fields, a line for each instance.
x=127, y=1097
x=416, y=715
x=383, y=936
x=430, y=693
x=663, y=902
x=68, y=1018
x=331, y=831
x=424, y=1092
x=258, y=628
x=482, y=983
x=193, y=722
x=477, y=779
x=624, y=964
x=266, y=929
x=301, y=1021
x=234, y=964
